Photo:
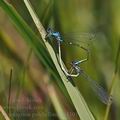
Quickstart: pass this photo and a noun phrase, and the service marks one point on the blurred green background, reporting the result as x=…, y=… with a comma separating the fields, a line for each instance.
x=32, y=84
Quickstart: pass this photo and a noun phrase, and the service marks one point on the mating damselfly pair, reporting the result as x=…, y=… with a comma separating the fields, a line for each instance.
x=75, y=69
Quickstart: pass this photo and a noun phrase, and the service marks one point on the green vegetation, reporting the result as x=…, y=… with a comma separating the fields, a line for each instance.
x=38, y=88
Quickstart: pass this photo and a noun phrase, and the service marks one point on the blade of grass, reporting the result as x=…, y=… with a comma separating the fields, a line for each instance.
x=47, y=14
x=54, y=99
x=4, y=113
x=9, y=92
x=23, y=75
x=113, y=81
x=76, y=97
x=7, y=49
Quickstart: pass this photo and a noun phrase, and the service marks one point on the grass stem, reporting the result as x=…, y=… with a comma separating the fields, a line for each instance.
x=113, y=82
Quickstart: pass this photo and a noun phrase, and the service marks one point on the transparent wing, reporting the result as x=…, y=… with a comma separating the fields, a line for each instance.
x=76, y=44
x=99, y=90
x=78, y=39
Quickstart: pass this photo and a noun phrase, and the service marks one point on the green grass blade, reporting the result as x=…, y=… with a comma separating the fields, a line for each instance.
x=47, y=14
x=7, y=49
x=4, y=113
x=114, y=80
x=76, y=97
x=55, y=99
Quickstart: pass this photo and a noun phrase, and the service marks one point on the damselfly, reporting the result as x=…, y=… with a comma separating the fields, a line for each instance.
x=75, y=69
x=57, y=36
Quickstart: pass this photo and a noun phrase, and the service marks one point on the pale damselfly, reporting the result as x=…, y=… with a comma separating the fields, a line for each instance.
x=75, y=69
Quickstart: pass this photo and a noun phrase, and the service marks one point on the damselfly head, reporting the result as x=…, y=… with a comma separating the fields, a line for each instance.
x=75, y=62
x=49, y=30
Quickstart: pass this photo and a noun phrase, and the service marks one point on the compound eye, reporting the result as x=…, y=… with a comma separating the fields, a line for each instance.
x=49, y=29
x=74, y=62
